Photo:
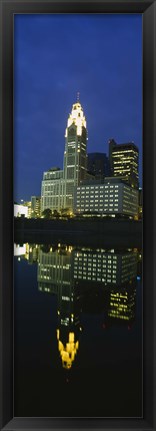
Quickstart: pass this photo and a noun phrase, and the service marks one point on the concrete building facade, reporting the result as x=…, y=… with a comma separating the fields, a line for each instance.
x=35, y=206
x=75, y=154
x=57, y=188
x=112, y=196
x=107, y=267
x=52, y=190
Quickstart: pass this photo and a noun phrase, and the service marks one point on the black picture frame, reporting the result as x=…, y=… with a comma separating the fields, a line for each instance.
x=7, y=10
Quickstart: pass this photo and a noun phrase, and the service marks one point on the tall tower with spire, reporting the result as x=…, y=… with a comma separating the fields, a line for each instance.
x=57, y=190
x=75, y=154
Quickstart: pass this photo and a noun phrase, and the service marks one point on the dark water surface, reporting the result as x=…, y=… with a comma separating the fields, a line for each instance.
x=77, y=331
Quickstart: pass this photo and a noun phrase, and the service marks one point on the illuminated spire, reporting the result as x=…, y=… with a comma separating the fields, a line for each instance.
x=78, y=96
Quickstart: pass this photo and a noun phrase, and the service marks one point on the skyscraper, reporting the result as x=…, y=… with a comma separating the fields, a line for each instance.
x=58, y=185
x=75, y=154
x=124, y=161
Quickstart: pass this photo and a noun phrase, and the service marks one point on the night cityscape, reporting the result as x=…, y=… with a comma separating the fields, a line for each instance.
x=78, y=210
x=89, y=183
x=103, y=62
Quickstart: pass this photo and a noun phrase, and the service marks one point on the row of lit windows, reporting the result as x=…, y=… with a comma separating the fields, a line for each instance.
x=52, y=182
x=95, y=266
x=94, y=278
x=98, y=271
x=51, y=199
x=100, y=209
x=98, y=195
x=96, y=200
x=97, y=187
x=130, y=192
x=96, y=262
x=121, y=151
x=124, y=163
x=99, y=190
x=53, y=177
x=100, y=205
x=94, y=258
x=130, y=205
x=54, y=192
x=52, y=186
x=92, y=198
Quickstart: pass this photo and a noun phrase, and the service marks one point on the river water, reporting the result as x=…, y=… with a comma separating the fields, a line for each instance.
x=77, y=331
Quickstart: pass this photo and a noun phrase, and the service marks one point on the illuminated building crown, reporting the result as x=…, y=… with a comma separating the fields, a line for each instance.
x=77, y=118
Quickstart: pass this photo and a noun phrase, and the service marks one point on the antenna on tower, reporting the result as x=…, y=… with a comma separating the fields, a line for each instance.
x=78, y=96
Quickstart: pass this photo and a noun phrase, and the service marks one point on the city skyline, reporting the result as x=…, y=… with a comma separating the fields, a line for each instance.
x=42, y=105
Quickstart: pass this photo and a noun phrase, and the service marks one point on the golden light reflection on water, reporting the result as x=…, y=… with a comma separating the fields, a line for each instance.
x=67, y=351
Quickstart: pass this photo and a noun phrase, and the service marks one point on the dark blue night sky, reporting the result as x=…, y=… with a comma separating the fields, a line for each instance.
x=55, y=56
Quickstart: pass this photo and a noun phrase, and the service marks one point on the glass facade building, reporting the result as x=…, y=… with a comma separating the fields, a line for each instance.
x=124, y=160
x=98, y=165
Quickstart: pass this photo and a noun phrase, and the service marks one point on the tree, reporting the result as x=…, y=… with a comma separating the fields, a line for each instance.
x=55, y=213
x=45, y=248
x=65, y=212
x=47, y=213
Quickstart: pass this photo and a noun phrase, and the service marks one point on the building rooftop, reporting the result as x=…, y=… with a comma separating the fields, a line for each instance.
x=55, y=168
x=125, y=145
x=105, y=180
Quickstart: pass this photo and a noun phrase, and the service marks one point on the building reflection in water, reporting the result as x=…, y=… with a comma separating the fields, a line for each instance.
x=55, y=275
x=86, y=279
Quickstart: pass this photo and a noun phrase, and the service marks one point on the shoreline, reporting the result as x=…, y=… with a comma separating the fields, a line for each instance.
x=101, y=232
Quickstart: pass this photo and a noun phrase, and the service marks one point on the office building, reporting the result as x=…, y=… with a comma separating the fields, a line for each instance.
x=35, y=206
x=124, y=161
x=110, y=268
x=28, y=205
x=112, y=196
x=52, y=190
x=75, y=154
x=54, y=269
x=122, y=304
